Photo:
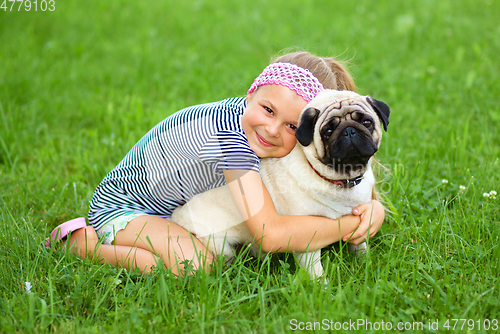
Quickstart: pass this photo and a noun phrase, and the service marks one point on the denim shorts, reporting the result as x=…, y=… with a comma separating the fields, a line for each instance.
x=107, y=232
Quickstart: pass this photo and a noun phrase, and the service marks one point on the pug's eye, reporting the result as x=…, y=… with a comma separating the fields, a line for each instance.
x=367, y=123
x=328, y=133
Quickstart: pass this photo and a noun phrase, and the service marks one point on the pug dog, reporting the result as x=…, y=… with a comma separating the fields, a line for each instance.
x=328, y=173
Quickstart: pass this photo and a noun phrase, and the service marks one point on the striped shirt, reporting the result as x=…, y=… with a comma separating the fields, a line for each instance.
x=180, y=157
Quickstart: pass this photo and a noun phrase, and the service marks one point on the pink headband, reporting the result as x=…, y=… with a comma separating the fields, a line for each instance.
x=298, y=79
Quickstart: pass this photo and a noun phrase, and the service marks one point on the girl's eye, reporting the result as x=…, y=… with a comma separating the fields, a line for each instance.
x=367, y=123
x=269, y=110
x=292, y=127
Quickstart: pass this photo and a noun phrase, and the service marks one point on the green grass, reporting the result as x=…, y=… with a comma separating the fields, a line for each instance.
x=80, y=85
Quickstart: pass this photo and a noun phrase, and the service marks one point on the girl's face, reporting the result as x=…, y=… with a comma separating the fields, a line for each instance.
x=270, y=120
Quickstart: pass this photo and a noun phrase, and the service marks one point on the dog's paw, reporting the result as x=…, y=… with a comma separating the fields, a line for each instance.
x=357, y=249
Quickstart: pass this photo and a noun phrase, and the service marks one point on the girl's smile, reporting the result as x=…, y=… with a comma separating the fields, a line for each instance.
x=263, y=141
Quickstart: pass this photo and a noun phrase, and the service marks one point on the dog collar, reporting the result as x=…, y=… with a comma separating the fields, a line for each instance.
x=347, y=183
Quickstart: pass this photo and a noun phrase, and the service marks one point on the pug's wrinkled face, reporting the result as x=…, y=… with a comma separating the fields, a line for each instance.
x=342, y=130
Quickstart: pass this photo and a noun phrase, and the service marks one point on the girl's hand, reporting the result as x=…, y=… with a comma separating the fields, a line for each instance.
x=372, y=216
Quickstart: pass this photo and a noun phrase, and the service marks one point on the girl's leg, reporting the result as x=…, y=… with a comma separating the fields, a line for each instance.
x=167, y=240
x=84, y=241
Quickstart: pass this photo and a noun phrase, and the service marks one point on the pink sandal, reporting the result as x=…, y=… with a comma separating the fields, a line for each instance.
x=61, y=231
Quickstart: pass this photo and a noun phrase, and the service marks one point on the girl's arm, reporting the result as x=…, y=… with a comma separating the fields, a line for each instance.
x=275, y=233
x=372, y=216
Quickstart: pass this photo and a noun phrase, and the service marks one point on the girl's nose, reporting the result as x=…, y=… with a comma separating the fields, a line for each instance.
x=273, y=129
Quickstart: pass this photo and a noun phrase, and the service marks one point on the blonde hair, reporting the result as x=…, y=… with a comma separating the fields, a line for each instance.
x=330, y=72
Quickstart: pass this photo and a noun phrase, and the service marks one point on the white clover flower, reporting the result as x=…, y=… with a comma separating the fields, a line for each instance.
x=493, y=193
x=444, y=181
x=462, y=188
x=486, y=195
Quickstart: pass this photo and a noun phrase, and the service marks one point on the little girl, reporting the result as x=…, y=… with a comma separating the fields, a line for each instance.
x=206, y=146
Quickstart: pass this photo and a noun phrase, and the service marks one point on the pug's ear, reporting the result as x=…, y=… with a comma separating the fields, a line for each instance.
x=307, y=121
x=381, y=109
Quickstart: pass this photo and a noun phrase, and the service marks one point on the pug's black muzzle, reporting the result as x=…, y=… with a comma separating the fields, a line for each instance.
x=349, y=149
